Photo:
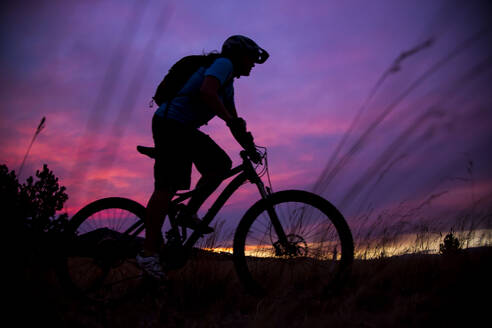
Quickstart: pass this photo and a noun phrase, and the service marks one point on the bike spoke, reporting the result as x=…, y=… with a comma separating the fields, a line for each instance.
x=310, y=255
x=101, y=266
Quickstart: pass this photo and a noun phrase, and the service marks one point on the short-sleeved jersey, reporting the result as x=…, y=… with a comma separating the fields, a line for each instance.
x=187, y=107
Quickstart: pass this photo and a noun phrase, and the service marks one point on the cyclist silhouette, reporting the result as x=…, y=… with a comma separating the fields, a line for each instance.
x=209, y=92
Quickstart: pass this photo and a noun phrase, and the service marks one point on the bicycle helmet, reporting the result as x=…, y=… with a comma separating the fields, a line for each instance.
x=239, y=44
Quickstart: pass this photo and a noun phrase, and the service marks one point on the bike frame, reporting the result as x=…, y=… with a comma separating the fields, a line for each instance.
x=243, y=172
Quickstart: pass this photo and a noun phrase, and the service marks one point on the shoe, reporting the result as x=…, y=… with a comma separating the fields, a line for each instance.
x=193, y=222
x=152, y=266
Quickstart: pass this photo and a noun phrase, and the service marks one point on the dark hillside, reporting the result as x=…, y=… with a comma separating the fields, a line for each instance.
x=406, y=291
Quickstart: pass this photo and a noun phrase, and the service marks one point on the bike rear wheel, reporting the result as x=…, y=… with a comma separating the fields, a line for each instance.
x=319, y=249
x=100, y=263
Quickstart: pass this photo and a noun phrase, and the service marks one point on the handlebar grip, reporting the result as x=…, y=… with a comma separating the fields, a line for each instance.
x=254, y=155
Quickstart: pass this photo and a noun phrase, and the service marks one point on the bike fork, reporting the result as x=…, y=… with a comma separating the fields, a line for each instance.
x=279, y=230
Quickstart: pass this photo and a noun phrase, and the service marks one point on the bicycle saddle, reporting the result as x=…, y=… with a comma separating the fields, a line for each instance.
x=148, y=151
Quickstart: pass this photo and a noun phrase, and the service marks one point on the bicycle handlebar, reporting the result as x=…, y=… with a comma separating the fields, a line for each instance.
x=252, y=154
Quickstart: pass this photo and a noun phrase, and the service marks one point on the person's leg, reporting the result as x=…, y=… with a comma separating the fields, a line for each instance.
x=158, y=204
x=212, y=163
x=149, y=259
x=205, y=187
x=154, y=219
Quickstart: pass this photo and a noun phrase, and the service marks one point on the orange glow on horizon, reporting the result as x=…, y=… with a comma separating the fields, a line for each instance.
x=405, y=244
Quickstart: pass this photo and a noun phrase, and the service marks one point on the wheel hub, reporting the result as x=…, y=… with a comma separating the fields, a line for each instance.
x=112, y=253
x=296, y=247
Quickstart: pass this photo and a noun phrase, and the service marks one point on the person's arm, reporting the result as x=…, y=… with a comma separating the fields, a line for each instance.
x=231, y=107
x=209, y=95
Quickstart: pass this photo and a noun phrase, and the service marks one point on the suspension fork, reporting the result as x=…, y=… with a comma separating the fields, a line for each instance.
x=265, y=195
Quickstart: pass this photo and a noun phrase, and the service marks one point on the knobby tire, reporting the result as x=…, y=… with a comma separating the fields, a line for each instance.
x=316, y=230
x=99, y=263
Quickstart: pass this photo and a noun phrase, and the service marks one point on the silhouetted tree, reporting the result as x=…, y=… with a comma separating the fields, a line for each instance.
x=450, y=245
x=33, y=205
x=9, y=189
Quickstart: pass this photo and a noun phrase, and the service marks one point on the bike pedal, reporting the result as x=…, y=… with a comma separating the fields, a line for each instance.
x=194, y=224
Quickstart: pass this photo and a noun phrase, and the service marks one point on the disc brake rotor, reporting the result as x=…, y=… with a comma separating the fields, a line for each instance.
x=296, y=247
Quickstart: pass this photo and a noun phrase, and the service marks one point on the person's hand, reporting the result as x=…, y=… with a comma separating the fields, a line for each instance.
x=254, y=156
x=244, y=138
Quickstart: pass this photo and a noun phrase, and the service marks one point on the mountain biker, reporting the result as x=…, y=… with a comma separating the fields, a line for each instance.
x=209, y=92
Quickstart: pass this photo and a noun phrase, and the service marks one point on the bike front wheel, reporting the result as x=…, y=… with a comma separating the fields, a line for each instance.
x=100, y=261
x=317, y=250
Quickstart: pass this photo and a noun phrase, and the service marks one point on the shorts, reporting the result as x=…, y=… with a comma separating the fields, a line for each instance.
x=178, y=147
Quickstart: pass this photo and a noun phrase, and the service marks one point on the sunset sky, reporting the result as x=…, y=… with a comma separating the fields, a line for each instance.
x=401, y=88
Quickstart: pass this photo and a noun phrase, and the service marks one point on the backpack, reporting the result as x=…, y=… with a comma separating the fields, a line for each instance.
x=179, y=74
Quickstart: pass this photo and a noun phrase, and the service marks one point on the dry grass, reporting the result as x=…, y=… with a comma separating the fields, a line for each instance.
x=412, y=290
x=407, y=291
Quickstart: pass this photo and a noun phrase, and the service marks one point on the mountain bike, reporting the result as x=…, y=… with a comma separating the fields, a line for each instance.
x=287, y=239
